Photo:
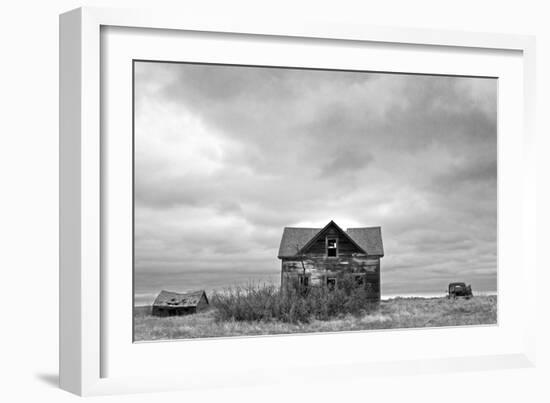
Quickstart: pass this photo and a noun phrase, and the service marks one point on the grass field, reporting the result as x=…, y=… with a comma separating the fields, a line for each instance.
x=391, y=314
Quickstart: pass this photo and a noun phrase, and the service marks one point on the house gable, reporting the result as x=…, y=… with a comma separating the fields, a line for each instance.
x=354, y=240
x=331, y=237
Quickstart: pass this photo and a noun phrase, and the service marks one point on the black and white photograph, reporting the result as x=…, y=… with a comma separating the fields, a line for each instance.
x=275, y=202
x=280, y=200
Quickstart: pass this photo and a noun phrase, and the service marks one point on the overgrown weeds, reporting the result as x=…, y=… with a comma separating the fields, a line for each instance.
x=291, y=304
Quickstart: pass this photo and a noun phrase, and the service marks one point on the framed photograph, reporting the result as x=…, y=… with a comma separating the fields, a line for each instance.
x=285, y=200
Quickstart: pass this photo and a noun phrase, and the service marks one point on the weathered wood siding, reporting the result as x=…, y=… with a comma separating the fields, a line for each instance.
x=318, y=268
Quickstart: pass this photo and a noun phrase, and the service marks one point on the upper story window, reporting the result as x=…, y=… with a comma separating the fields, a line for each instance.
x=332, y=247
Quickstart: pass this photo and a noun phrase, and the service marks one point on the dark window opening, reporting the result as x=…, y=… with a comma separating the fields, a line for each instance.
x=331, y=283
x=332, y=247
x=303, y=280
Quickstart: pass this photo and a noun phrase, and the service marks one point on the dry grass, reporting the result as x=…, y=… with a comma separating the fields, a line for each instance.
x=391, y=314
x=293, y=304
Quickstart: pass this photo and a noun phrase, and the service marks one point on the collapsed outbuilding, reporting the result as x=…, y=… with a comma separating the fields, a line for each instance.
x=170, y=303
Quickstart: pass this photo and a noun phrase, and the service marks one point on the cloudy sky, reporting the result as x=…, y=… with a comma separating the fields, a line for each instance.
x=226, y=156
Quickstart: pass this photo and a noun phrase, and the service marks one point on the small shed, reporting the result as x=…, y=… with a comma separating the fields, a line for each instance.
x=170, y=303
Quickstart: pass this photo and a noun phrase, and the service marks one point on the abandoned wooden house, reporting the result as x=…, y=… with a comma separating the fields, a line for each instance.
x=325, y=256
x=170, y=303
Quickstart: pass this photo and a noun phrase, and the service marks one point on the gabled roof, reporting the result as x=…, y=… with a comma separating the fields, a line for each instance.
x=171, y=299
x=369, y=239
x=294, y=239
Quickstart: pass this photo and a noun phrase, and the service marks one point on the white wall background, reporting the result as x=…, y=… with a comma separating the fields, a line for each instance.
x=29, y=201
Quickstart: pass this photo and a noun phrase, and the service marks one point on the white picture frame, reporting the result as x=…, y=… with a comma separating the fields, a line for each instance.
x=83, y=307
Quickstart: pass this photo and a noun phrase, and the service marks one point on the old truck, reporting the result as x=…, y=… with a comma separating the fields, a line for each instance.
x=460, y=290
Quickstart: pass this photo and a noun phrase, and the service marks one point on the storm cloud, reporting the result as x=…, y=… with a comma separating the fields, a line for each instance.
x=226, y=156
